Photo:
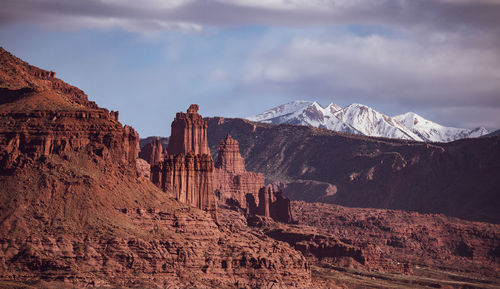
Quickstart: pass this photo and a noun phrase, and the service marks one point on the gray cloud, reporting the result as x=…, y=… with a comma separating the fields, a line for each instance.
x=443, y=14
x=440, y=53
x=420, y=72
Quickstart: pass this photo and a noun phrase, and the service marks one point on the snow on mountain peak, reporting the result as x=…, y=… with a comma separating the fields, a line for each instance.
x=370, y=122
x=411, y=119
x=332, y=107
x=281, y=110
x=361, y=119
x=433, y=132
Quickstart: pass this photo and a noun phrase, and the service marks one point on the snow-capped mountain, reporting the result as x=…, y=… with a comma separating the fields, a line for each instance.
x=282, y=110
x=433, y=132
x=308, y=113
x=364, y=120
x=373, y=123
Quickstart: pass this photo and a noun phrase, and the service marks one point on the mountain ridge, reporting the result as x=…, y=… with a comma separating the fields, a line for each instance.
x=372, y=172
x=363, y=120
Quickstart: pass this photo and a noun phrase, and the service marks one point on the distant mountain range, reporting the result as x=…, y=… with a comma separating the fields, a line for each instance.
x=364, y=120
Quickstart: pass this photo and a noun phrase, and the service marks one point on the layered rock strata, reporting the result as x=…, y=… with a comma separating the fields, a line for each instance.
x=398, y=237
x=187, y=171
x=97, y=226
x=231, y=180
x=40, y=115
x=74, y=213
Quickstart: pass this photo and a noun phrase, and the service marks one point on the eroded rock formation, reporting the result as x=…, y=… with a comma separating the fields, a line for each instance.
x=228, y=156
x=189, y=133
x=74, y=213
x=231, y=181
x=272, y=204
x=280, y=208
x=264, y=202
x=186, y=172
x=40, y=115
x=237, y=187
x=189, y=177
x=153, y=152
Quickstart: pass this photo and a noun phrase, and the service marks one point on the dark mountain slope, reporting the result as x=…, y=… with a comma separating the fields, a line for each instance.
x=495, y=133
x=459, y=179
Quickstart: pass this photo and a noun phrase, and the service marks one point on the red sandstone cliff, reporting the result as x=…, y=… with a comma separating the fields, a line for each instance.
x=73, y=211
x=189, y=178
x=41, y=115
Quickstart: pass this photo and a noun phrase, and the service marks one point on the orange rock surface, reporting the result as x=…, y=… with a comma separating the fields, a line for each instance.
x=75, y=213
x=186, y=173
x=189, y=133
x=231, y=180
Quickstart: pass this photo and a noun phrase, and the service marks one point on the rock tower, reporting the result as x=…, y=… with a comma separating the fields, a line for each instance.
x=187, y=170
x=231, y=180
x=189, y=133
x=229, y=157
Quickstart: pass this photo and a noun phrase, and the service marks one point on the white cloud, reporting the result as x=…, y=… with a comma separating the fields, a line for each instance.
x=445, y=52
x=424, y=71
x=442, y=14
x=143, y=26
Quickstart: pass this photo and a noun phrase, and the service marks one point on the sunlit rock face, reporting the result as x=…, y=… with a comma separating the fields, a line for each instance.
x=186, y=172
x=189, y=133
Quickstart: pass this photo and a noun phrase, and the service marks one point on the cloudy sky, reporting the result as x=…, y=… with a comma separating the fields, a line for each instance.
x=151, y=58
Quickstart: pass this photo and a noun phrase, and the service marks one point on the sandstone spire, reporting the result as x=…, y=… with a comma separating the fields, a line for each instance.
x=189, y=133
x=231, y=181
x=271, y=204
x=187, y=171
x=264, y=202
x=228, y=156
